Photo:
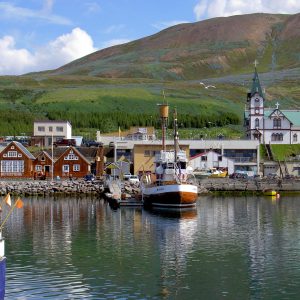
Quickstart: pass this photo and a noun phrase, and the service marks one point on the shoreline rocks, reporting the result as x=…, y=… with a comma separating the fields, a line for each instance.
x=48, y=188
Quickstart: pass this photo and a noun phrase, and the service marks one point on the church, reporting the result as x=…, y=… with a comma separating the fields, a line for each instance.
x=269, y=126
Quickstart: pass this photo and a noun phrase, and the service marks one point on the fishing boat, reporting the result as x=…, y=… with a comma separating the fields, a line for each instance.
x=171, y=186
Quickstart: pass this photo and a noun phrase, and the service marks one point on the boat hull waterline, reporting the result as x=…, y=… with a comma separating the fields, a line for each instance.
x=177, y=195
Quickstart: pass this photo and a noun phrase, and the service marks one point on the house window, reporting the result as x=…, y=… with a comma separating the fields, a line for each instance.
x=38, y=168
x=277, y=123
x=50, y=128
x=12, y=154
x=12, y=166
x=41, y=128
x=59, y=129
x=203, y=158
x=256, y=122
x=43, y=158
x=71, y=156
x=295, y=138
x=147, y=153
x=220, y=158
x=76, y=168
x=65, y=168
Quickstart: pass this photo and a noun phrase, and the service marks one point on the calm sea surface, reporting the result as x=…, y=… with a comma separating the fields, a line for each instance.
x=231, y=248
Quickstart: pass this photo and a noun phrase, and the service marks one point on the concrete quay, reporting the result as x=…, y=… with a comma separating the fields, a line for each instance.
x=249, y=185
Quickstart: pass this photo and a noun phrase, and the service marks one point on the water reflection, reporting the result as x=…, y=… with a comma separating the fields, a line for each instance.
x=176, y=228
x=239, y=248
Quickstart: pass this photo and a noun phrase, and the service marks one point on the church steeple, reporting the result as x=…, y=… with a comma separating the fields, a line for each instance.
x=256, y=87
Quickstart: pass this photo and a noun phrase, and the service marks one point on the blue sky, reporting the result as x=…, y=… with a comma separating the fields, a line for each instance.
x=45, y=34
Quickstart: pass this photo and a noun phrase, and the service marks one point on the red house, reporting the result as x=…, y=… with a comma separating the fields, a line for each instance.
x=16, y=161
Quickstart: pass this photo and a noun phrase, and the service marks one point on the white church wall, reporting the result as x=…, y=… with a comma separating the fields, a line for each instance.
x=268, y=137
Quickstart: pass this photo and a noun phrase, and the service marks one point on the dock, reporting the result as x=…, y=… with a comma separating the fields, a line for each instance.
x=116, y=197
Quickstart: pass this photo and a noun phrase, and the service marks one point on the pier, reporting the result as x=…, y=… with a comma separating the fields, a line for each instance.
x=249, y=185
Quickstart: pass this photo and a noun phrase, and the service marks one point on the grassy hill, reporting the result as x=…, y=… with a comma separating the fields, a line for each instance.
x=121, y=85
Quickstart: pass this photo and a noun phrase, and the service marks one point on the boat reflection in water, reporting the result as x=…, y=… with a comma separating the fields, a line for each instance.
x=182, y=213
x=178, y=229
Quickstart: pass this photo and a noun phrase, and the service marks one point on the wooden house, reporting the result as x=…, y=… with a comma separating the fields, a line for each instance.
x=71, y=162
x=16, y=161
x=42, y=165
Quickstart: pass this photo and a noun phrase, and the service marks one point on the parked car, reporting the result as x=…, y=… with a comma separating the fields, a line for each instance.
x=126, y=176
x=238, y=176
x=133, y=179
x=65, y=142
x=89, y=177
x=92, y=144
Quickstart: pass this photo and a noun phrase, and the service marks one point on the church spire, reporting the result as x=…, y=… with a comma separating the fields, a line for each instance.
x=256, y=87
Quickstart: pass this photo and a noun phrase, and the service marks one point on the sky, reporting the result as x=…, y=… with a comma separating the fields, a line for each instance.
x=38, y=35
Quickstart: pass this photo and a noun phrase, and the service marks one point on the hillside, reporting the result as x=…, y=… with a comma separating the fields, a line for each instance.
x=210, y=48
x=121, y=85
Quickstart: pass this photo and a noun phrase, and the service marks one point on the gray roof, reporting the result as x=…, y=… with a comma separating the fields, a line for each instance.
x=24, y=149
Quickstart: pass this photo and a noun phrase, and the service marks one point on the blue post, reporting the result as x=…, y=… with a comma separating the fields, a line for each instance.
x=2, y=267
x=2, y=277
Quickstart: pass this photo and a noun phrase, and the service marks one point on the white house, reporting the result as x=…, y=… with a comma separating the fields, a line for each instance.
x=274, y=126
x=211, y=159
x=48, y=130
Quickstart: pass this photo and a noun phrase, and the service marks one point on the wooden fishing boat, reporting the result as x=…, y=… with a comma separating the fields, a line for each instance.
x=171, y=187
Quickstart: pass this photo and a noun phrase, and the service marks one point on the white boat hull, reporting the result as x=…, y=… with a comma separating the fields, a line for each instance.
x=171, y=195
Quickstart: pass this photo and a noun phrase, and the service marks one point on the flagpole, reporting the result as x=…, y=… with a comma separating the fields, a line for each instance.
x=3, y=200
x=7, y=216
x=52, y=167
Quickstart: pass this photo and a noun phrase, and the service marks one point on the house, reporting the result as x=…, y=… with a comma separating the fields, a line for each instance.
x=211, y=159
x=46, y=132
x=71, y=162
x=42, y=165
x=16, y=161
x=133, y=134
x=269, y=125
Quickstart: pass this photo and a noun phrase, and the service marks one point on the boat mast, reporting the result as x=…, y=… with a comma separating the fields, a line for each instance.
x=176, y=144
x=164, y=113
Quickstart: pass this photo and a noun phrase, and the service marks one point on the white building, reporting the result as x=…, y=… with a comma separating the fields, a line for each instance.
x=48, y=130
x=270, y=126
x=209, y=160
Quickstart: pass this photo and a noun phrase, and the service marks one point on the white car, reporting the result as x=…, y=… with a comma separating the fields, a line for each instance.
x=133, y=179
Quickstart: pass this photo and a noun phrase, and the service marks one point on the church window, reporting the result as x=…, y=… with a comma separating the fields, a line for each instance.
x=256, y=100
x=295, y=138
x=277, y=123
x=277, y=137
x=256, y=122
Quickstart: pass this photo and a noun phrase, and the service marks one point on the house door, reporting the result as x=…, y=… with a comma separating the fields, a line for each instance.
x=47, y=170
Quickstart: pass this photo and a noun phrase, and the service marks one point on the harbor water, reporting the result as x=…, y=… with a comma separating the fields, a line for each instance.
x=231, y=248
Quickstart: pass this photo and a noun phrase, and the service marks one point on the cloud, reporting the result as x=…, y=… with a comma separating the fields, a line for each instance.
x=62, y=50
x=92, y=7
x=165, y=24
x=205, y=9
x=48, y=5
x=114, y=42
x=113, y=28
x=10, y=11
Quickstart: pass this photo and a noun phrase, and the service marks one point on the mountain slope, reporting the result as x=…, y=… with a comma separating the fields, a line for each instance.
x=209, y=48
